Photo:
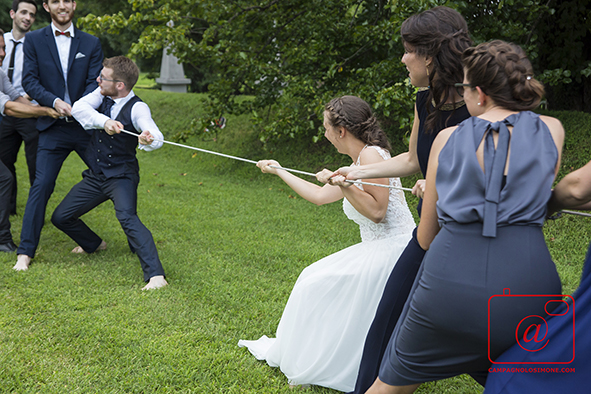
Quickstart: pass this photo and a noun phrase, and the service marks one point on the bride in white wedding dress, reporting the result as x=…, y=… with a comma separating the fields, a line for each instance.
x=322, y=331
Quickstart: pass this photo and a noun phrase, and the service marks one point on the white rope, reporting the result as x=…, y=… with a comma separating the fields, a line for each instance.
x=255, y=162
x=576, y=213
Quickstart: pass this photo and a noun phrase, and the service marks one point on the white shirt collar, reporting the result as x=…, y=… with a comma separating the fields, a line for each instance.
x=123, y=100
x=9, y=36
x=70, y=29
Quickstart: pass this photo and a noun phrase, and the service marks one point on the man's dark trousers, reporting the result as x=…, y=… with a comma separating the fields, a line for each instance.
x=5, y=188
x=92, y=191
x=13, y=132
x=55, y=144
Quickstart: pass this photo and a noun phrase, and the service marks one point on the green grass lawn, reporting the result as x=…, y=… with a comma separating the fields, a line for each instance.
x=232, y=242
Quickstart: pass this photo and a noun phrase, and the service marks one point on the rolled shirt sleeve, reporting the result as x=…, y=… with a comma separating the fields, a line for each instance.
x=7, y=91
x=142, y=121
x=85, y=112
x=3, y=100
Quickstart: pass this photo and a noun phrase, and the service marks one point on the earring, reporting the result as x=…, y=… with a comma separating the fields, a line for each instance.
x=427, y=67
x=479, y=103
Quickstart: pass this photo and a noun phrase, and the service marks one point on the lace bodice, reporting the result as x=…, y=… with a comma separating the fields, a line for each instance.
x=398, y=219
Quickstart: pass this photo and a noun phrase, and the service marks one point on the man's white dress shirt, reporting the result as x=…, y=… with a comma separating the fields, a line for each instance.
x=85, y=112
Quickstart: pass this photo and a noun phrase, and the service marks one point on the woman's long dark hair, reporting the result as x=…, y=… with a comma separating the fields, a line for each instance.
x=442, y=34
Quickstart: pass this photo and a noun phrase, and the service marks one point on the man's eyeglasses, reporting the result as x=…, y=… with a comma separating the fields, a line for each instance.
x=101, y=78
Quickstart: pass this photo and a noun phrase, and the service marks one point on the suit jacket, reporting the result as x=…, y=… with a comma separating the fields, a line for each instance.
x=43, y=78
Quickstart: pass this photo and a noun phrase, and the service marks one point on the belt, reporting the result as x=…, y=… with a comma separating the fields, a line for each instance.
x=66, y=120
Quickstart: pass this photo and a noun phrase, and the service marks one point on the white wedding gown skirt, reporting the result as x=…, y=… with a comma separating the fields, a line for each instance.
x=322, y=331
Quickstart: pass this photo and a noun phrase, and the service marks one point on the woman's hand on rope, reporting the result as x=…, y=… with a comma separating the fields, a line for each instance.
x=339, y=180
x=419, y=188
x=327, y=176
x=324, y=176
x=346, y=172
x=264, y=166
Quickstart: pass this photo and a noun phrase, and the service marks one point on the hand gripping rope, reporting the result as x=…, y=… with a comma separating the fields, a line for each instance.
x=254, y=162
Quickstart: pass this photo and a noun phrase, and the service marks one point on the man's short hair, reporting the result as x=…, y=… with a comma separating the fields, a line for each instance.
x=15, y=4
x=124, y=69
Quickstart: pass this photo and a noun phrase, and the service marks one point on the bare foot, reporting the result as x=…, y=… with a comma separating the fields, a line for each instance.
x=79, y=250
x=22, y=262
x=155, y=282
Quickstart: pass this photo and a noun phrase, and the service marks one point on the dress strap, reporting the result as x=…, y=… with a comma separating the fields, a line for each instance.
x=494, y=167
x=359, y=157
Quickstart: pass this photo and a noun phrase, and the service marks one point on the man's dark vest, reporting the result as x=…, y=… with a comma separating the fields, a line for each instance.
x=114, y=155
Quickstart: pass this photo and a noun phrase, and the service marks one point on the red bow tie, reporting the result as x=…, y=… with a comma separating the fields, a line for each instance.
x=62, y=33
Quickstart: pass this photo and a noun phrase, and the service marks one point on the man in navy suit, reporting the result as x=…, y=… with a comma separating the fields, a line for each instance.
x=114, y=170
x=61, y=64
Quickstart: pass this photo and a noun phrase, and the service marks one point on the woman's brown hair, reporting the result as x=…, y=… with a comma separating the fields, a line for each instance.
x=504, y=73
x=442, y=34
x=355, y=115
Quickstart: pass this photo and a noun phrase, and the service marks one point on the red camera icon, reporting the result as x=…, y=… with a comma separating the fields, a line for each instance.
x=531, y=332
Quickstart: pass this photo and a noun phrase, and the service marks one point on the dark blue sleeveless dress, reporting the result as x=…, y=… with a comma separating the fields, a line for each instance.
x=490, y=240
x=403, y=275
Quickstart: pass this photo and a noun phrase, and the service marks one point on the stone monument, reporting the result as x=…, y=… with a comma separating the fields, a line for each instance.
x=172, y=76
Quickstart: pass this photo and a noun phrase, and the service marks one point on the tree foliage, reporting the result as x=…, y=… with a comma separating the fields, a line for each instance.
x=556, y=34
x=292, y=56
x=112, y=44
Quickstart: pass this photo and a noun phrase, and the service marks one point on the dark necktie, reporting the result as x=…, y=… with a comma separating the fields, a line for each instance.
x=11, y=63
x=62, y=33
x=106, y=106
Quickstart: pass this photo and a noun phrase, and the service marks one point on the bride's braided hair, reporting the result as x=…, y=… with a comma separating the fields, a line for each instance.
x=354, y=114
x=504, y=73
x=442, y=34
